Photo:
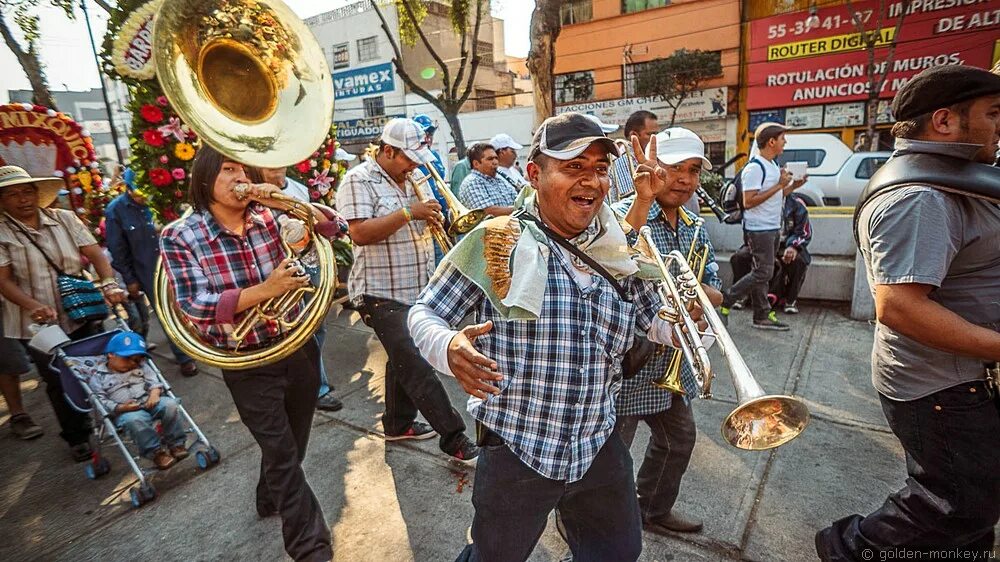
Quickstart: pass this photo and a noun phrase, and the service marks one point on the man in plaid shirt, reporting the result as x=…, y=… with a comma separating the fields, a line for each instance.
x=483, y=188
x=221, y=261
x=393, y=258
x=544, y=361
x=681, y=153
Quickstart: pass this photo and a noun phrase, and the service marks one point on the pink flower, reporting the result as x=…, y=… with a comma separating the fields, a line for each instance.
x=164, y=159
x=178, y=174
x=162, y=100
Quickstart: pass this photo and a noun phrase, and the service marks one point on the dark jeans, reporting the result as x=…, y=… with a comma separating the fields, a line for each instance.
x=786, y=282
x=513, y=503
x=762, y=246
x=276, y=403
x=667, y=455
x=74, y=426
x=410, y=382
x=951, y=499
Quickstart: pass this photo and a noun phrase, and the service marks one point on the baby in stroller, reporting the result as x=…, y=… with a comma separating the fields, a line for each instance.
x=131, y=392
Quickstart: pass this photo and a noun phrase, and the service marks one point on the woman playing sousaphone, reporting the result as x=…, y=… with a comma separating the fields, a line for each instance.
x=221, y=261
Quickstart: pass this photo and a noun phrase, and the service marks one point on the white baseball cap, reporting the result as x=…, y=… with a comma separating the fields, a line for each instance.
x=342, y=154
x=678, y=144
x=606, y=127
x=503, y=140
x=408, y=136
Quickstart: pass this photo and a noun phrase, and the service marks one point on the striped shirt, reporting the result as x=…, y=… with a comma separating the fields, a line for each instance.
x=207, y=266
x=61, y=235
x=562, y=371
x=639, y=396
x=480, y=191
x=398, y=267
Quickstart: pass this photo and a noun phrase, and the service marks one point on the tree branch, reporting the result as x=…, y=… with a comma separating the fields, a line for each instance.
x=445, y=75
x=398, y=62
x=475, y=55
x=463, y=54
x=105, y=6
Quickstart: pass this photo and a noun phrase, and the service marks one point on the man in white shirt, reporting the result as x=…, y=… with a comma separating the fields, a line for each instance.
x=765, y=186
x=507, y=148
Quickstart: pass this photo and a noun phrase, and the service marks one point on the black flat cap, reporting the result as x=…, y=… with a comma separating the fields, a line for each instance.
x=566, y=136
x=942, y=86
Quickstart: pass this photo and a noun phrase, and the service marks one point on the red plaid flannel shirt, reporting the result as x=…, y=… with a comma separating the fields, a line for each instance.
x=207, y=267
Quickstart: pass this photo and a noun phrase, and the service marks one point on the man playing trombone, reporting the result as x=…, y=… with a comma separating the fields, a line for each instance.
x=556, y=300
x=393, y=258
x=659, y=204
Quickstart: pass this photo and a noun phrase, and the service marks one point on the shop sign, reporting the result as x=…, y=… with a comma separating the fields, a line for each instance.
x=365, y=81
x=764, y=116
x=793, y=64
x=804, y=117
x=367, y=128
x=701, y=105
x=844, y=114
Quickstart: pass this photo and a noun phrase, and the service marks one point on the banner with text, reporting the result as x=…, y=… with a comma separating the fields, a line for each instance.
x=367, y=128
x=367, y=81
x=793, y=64
x=701, y=105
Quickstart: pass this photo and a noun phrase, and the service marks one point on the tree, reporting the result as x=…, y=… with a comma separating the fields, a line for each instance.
x=466, y=17
x=27, y=56
x=676, y=77
x=876, y=71
x=545, y=27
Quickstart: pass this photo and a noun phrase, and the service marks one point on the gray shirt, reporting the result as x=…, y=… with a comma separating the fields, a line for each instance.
x=922, y=235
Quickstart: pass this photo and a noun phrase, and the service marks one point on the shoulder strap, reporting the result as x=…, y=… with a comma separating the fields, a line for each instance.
x=591, y=263
x=18, y=226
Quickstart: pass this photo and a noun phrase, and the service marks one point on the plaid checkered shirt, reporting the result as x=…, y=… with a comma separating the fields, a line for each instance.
x=479, y=191
x=207, y=266
x=398, y=267
x=639, y=396
x=561, y=372
x=622, y=185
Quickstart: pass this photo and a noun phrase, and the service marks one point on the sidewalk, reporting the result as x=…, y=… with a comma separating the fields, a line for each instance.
x=406, y=501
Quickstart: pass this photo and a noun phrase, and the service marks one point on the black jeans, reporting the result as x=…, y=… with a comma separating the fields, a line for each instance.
x=669, y=450
x=513, y=503
x=762, y=246
x=786, y=282
x=74, y=426
x=951, y=499
x=276, y=403
x=410, y=382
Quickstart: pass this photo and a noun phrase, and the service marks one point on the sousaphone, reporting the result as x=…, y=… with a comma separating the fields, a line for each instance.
x=250, y=79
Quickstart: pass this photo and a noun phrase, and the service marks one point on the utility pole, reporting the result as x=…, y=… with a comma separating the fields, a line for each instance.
x=104, y=90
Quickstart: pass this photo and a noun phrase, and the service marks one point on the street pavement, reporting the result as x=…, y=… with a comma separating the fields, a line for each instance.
x=407, y=502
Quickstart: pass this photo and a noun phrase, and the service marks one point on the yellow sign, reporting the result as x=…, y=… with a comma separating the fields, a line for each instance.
x=829, y=45
x=996, y=53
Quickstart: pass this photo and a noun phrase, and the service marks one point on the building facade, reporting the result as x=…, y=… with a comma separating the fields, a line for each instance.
x=604, y=46
x=805, y=63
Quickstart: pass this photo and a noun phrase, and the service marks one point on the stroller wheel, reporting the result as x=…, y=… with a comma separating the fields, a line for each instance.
x=201, y=457
x=90, y=471
x=213, y=455
x=142, y=494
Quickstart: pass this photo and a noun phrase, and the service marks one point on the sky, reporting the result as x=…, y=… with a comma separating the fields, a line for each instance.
x=69, y=61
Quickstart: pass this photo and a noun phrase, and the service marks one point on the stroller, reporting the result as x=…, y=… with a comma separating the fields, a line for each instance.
x=67, y=355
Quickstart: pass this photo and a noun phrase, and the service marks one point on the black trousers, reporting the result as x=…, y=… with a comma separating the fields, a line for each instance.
x=276, y=403
x=513, y=503
x=410, y=382
x=74, y=426
x=951, y=500
x=786, y=281
x=667, y=456
x=762, y=247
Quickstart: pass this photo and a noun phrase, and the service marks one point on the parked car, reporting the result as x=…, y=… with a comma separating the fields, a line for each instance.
x=836, y=173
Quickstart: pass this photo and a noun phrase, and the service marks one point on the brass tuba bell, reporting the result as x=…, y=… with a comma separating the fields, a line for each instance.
x=250, y=79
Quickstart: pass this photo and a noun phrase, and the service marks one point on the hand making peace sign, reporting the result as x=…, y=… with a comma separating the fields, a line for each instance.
x=649, y=177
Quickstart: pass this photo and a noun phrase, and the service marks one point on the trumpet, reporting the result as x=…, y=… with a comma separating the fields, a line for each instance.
x=437, y=231
x=760, y=421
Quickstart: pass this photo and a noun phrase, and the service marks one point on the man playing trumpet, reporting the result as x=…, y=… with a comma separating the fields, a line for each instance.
x=393, y=258
x=659, y=204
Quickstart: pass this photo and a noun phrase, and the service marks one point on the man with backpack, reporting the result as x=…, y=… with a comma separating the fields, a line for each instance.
x=764, y=186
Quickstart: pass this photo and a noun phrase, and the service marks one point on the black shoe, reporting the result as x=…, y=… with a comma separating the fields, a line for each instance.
x=329, y=403
x=467, y=453
x=673, y=522
x=771, y=323
x=189, y=369
x=265, y=511
x=81, y=452
x=417, y=431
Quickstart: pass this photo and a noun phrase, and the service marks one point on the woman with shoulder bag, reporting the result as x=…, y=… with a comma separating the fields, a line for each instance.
x=41, y=267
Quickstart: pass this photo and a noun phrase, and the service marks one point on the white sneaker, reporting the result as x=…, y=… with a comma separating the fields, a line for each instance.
x=790, y=308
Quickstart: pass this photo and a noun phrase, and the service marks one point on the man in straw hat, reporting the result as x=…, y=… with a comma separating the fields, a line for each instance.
x=928, y=226
x=31, y=235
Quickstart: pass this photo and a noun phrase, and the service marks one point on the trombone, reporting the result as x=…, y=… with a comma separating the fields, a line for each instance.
x=461, y=219
x=437, y=231
x=760, y=421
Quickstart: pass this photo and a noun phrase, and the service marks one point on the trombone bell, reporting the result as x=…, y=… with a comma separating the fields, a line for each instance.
x=765, y=422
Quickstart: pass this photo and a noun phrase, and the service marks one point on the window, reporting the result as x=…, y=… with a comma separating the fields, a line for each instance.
x=368, y=49
x=575, y=87
x=576, y=11
x=374, y=107
x=868, y=167
x=485, y=52
x=629, y=6
x=632, y=73
x=813, y=156
x=485, y=99
x=341, y=56
x=716, y=154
